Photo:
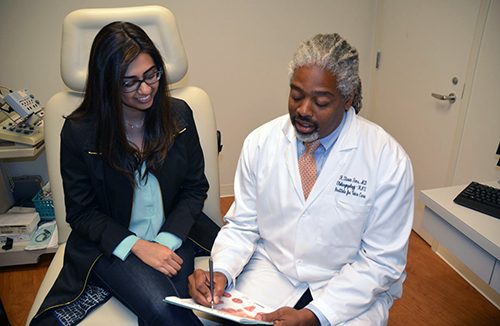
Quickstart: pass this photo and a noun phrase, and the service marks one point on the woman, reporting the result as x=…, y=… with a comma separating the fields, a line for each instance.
x=134, y=186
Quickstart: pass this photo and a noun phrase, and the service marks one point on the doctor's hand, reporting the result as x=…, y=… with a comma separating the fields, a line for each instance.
x=287, y=316
x=199, y=287
x=158, y=256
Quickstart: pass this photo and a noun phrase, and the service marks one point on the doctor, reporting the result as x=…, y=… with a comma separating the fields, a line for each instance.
x=323, y=204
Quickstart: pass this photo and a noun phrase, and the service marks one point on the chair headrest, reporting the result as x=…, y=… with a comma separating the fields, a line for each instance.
x=81, y=26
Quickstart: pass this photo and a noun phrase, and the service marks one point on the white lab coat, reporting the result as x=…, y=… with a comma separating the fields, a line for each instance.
x=348, y=242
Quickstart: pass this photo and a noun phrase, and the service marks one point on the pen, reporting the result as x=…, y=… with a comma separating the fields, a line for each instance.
x=211, y=267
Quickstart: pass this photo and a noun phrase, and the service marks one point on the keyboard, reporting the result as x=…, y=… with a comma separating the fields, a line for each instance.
x=480, y=197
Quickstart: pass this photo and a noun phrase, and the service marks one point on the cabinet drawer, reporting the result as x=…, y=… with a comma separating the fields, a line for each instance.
x=467, y=251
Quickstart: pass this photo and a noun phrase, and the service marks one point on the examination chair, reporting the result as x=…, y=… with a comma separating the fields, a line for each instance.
x=79, y=30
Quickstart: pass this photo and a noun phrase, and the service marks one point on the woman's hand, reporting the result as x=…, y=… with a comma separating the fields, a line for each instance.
x=158, y=256
x=287, y=316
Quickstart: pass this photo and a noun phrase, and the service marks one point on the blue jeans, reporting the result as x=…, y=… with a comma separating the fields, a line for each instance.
x=142, y=289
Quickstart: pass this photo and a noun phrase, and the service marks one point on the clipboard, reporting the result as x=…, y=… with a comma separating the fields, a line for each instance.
x=234, y=306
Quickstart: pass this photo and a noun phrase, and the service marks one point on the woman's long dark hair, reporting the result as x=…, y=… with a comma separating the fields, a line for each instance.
x=114, y=48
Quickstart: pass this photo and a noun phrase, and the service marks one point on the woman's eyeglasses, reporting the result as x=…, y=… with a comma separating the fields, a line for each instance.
x=134, y=85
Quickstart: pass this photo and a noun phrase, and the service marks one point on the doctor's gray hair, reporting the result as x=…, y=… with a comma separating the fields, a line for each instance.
x=333, y=53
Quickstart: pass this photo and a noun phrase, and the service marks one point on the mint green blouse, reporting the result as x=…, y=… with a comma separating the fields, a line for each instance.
x=147, y=217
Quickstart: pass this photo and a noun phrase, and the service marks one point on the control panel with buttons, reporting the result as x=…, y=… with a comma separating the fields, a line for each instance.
x=25, y=125
x=18, y=131
x=23, y=102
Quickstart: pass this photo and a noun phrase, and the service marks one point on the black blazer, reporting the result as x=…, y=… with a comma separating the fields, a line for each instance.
x=99, y=201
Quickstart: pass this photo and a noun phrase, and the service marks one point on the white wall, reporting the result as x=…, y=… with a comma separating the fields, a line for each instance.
x=238, y=52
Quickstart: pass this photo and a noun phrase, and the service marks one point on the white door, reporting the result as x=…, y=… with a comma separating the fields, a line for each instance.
x=476, y=158
x=424, y=48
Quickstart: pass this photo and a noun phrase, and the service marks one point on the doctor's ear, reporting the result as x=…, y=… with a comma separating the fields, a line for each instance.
x=349, y=100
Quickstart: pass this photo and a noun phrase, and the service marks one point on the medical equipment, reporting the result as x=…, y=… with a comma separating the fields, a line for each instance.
x=24, y=122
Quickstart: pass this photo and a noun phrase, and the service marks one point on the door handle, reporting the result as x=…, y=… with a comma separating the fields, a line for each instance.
x=451, y=97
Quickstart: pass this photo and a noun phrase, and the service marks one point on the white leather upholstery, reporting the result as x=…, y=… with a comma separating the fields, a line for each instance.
x=81, y=26
x=79, y=29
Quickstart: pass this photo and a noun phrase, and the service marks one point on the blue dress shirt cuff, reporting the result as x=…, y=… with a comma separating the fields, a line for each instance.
x=123, y=249
x=229, y=279
x=169, y=240
x=322, y=319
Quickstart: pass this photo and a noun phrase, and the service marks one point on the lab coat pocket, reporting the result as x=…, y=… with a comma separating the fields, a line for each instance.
x=342, y=223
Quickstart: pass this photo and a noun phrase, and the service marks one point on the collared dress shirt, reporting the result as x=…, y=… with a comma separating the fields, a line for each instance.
x=321, y=154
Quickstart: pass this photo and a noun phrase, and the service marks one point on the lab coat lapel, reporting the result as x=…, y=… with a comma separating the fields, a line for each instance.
x=348, y=140
x=292, y=163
